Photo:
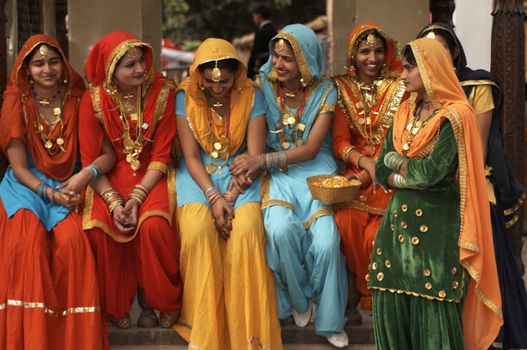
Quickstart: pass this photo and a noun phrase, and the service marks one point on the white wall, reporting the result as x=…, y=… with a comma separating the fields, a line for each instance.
x=473, y=22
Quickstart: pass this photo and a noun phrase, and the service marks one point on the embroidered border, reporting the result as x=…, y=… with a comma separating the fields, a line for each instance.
x=318, y=213
x=48, y=311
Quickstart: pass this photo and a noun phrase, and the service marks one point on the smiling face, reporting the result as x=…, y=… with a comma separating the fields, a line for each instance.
x=284, y=62
x=131, y=69
x=45, y=67
x=217, y=88
x=369, y=59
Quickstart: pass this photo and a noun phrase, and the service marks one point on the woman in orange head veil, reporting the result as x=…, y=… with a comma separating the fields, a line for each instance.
x=129, y=212
x=48, y=284
x=368, y=97
x=433, y=272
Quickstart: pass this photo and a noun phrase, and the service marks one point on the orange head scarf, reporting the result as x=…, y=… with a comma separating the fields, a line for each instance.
x=19, y=116
x=359, y=33
x=196, y=107
x=482, y=317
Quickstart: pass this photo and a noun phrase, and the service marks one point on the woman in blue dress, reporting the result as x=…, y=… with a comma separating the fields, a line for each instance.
x=303, y=241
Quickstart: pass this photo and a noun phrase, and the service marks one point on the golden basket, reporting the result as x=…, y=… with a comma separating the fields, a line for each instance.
x=333, y=189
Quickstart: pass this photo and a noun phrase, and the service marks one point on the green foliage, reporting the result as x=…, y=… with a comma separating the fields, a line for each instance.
x=188, y=21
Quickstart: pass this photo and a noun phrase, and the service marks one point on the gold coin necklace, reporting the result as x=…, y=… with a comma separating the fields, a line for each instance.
x=132, y=148
x=220, y=148
x=291, y=121
x=42, y=123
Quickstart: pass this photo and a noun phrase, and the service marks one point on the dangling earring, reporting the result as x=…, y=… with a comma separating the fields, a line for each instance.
x=201, y=87
x=303, y=82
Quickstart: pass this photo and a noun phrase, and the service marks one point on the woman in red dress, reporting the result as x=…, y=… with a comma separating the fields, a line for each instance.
x=129, y=212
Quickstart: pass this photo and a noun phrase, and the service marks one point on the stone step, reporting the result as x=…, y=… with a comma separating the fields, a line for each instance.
x=291, y=334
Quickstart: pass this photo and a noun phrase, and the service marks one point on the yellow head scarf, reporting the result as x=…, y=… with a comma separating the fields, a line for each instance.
x=482, y=316
x=196, y=107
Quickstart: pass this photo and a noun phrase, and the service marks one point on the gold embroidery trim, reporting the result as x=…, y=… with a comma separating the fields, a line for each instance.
x=265, y=193
x=299, y=55
x=516, y=206
x=159, y=166
x=511, y=222
x=415, y=294
x=327, y=108
x=477, y=82
x=161, y=104
x=425, y=76
x=361, y=206
x=318, y=213
x=96, y=102
x=118, y=53
x=48, y=311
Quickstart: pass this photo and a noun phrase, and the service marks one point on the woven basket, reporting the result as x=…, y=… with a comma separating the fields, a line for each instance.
x=332, y=195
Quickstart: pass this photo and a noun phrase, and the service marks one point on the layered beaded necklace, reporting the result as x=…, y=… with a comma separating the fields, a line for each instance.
x=415, y=125
x=290, y=120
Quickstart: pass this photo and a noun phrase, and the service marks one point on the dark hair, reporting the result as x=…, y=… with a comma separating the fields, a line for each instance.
x=450, y=42
x=374, y=32
x=27, y=59
x=262, y=10
x=408, y=55
x=229, y=64
x=122, y=57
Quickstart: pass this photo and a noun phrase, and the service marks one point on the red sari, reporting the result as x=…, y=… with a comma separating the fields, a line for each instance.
x=149, y=257
x=49, y=297
x=359, y=221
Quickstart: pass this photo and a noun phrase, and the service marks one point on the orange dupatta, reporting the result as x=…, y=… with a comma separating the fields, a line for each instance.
x=482, y=317
x=196, y=108
x=19, y=116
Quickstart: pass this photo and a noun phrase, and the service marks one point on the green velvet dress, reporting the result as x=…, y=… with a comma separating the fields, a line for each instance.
x=415, y=273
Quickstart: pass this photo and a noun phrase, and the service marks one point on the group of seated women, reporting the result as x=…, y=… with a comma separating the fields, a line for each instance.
x=194, y=197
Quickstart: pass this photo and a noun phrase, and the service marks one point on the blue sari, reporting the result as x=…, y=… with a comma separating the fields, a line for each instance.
x=303, y=241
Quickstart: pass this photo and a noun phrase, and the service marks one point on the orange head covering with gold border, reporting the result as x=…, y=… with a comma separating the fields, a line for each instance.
x=196, y=105
x=19, y=117
x=482, y=316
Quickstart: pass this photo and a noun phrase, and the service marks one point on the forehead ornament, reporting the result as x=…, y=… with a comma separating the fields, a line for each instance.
x=43, y=50
x=216, y=73
x=430, y=35
x=132, y=52
x=371, y=40
x=280, y=45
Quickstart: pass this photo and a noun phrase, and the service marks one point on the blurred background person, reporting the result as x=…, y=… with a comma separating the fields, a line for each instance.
x=264, y=33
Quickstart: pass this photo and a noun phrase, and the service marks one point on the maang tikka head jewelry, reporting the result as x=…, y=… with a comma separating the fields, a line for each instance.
x=371, y=39
x=216, y=73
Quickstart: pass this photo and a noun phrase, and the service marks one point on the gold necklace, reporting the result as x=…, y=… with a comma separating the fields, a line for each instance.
x=45, y=137
x=414, y=126
x=220, y=148
x=132, y=148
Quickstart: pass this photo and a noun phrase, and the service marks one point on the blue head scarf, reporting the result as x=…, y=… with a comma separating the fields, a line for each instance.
x=308, y=55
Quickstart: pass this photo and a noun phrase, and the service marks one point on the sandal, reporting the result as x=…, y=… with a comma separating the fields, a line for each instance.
x=168, y=319
x=123, y=323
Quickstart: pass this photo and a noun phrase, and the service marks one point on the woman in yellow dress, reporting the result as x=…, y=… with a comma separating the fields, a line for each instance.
x=228, y=300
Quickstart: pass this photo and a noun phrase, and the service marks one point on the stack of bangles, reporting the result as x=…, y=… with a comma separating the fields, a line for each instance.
x=273, y=160
x=399, y=181
x=112, y=199
x=42, y=191
x=94, y=171
x=213, y=194
x=229, y=198
x=139, y=193
x=355, y=157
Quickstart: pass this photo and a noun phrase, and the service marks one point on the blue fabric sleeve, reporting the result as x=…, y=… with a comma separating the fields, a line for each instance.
x=259, y=105
x=180, y=103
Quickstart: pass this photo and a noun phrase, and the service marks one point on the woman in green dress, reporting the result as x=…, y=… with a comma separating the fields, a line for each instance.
x=432, y=269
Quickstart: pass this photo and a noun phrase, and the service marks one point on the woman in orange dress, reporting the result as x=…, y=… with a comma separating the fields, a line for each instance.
x=48, y=283
x=368, y=97
x=129, y=212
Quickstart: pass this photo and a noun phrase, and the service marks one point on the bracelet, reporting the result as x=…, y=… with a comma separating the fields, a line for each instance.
x=138, y=193
x=346, y=153
x=358, y=160
x=42, y=191
x=399, y=181
x=117, y=202
x=94, y=171
x=213, y=194
x=272, y=160
x=394, y=161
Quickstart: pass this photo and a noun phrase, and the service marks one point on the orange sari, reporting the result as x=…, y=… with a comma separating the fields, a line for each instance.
x=358, y=221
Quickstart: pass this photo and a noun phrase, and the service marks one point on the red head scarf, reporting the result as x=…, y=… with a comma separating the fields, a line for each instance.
x=19, y=116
